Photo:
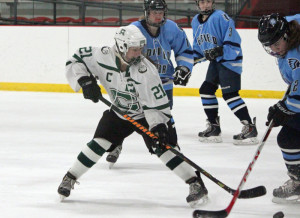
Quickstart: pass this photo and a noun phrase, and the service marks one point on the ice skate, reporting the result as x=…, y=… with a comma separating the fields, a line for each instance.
x=113, y=156
x=212, y=133
x=198, y=192
x=64, y=189
x=288, y=193
x=248, y=136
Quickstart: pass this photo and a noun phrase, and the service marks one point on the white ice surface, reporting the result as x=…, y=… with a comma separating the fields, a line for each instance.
x=41, y=134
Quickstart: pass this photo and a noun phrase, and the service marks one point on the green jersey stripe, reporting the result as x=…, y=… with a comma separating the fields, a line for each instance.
x=81, y=61
x=109, y=67
x=132, y=80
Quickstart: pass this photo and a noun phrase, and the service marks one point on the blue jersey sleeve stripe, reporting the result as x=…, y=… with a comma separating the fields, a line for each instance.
x=197, y=53
x=231, y=43
x=292, y=106
x=297, y=97
x=182, y=58
x=238, y=58
x=187, y=51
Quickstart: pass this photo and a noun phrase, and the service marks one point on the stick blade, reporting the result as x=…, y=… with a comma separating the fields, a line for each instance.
x=209, y=214
x=253, y=192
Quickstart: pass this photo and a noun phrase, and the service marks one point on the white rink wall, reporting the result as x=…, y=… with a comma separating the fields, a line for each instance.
x=37, y=54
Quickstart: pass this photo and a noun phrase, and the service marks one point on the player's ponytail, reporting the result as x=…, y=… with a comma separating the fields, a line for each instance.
x=293, y=35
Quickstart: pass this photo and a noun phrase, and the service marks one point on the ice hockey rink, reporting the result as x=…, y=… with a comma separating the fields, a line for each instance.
x=41, y=134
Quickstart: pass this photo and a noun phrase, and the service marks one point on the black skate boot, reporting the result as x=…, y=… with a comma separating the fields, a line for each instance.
x=66, y=185
x=288, y=193
x=198, y=192
x=248, y=136
x=212, y=133
x=113, y=156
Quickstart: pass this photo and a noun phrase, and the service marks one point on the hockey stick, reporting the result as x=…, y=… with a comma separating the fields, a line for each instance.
x=225, y=212
x=196, y=61
x=249, y=193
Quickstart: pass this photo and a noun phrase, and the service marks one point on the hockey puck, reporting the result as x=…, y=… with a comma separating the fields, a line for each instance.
x=278, y=215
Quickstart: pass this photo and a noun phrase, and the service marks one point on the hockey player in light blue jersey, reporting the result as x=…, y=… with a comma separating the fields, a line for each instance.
x=281, y=38
x=216, y=40
x=163, y=36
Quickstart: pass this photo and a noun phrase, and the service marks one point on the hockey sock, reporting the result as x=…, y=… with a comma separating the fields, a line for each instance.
x=89, y=156
x=237, y=106
x=288, y=140
x=176, y=164
x=209, y=101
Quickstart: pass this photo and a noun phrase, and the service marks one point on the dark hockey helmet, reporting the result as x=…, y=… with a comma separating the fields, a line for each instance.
x=206, y=12
x=271, y=28
x=155, y=5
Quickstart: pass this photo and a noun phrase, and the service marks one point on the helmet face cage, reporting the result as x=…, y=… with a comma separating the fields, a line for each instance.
x=206, y=12
x=126, y=37
x=271, y=52
x=271, y=28
x=155, y=5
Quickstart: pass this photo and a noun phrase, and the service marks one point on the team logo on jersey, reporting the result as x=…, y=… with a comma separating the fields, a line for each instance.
x=207, y=38
x=142, y=68
x=294, y=63
x=105, y=50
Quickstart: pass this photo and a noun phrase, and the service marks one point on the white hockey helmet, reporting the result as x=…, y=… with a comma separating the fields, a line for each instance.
x=129, y=36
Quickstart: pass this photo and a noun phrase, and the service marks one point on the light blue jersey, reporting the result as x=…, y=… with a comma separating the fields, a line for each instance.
x=289, y=67
x=158, y=49
x=218, y=30
x=293, y=17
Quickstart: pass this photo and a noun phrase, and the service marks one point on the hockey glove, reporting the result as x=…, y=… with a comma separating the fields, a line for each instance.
x=181, y=75
x=90, y=88
x=279, y=114
x=213, y=53
x=162, y=133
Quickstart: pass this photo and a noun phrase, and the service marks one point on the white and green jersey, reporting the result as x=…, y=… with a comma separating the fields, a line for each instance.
x=138, y=91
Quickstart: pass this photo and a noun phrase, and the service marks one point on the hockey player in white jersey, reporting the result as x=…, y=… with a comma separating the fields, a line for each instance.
x=134, y=86
x=163, y=37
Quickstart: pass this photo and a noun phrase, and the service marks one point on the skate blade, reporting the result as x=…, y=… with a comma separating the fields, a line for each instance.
x=249, y=141
x=212, y=139
x=201, y=201
x=110, y=166
x=290, y=200
x=62, y=198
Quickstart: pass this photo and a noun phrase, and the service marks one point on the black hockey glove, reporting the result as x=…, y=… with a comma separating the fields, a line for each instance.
x=213, y=53
x=279, y=114
x=90, y=88
x=181, y=75
x=162, y=133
